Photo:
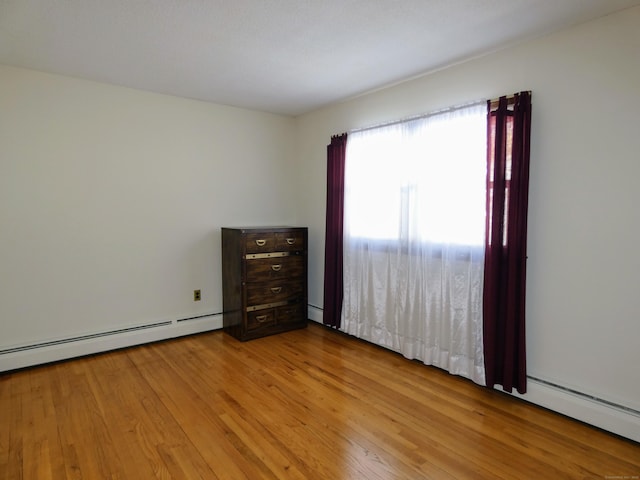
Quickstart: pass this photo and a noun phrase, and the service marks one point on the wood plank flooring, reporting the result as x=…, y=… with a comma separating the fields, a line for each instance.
x=307, y=404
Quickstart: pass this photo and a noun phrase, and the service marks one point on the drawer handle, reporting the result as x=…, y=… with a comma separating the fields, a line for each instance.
x=261, y=243
x=291, y=241
x=276, y=268
x=261, y=318
x=276, y=289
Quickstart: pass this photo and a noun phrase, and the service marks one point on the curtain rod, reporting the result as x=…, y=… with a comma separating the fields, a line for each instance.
x=494, y=103
x=511, y=99
x=418, y=117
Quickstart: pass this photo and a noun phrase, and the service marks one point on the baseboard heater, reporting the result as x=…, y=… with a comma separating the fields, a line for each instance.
x=81, y=338
x=586, y=396
x=93, y=336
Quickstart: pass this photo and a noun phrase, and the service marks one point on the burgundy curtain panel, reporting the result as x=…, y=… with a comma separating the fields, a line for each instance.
x=508, y=136
x=333, y=280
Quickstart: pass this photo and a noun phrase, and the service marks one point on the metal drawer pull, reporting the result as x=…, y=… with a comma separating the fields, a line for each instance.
x=291, y=241
x=261, y=243
x=276, y=289
x=261, y=318
x=276, y=268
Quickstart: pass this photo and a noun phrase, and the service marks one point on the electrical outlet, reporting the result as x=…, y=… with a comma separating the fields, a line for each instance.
x=196, y=295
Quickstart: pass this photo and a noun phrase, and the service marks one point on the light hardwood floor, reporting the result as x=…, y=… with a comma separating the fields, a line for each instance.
x=308, y=404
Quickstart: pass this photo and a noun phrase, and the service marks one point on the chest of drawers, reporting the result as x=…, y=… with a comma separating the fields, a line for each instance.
x=264, y=280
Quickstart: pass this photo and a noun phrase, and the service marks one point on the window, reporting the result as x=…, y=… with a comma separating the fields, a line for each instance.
x=414, y=223
x=421, y=180
x=507, y=169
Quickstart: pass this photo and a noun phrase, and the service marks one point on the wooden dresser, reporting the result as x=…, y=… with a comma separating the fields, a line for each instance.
x=264, y=280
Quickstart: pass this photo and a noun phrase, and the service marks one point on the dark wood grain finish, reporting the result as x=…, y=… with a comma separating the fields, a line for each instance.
x=275, y=291
x=264, y=280
x=290, y=313
x=291, y=241
x=261, y=319
x=276, y=268
x=259, y=242
x=276, y=240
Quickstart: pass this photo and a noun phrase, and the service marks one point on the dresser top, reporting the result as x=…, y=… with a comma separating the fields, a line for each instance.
x=266, y=228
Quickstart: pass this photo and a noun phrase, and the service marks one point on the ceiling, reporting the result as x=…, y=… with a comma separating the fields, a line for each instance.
x=281, y=56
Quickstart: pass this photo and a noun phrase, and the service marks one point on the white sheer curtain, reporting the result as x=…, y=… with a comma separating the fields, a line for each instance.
x=414, y=238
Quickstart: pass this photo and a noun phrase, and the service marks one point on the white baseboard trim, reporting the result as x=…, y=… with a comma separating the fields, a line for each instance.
x=621, y=421
x=63, y=349
x=314, y=313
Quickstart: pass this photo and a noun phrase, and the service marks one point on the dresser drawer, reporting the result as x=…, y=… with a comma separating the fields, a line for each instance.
x=261, y=319
x=261, y=242
x=275, y=268
x=273, y=292
x=290, y=314
x=289, y=241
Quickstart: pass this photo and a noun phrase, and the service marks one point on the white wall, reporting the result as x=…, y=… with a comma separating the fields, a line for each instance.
x=583, y=310
x=111, y=203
